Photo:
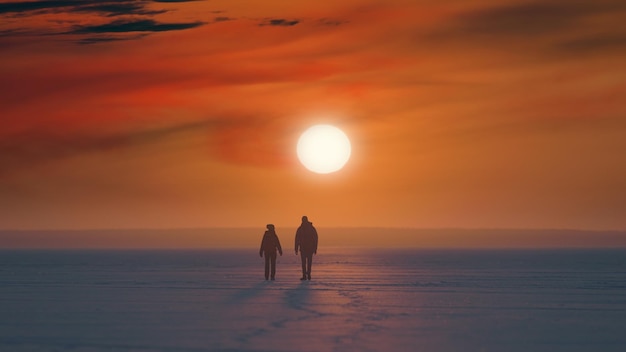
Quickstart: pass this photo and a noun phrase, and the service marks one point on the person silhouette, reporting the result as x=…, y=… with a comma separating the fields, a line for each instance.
x=306, y=242
x=269, y=244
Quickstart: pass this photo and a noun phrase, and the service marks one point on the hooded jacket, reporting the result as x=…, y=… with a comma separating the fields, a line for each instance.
x=306, y=238
x=270, y=243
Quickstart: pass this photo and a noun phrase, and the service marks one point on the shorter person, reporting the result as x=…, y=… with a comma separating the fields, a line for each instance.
x=269, y=245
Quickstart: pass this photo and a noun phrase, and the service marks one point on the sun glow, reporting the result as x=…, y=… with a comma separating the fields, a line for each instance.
x=324, y=149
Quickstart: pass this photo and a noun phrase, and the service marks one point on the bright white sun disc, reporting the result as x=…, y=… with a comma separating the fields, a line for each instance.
x=324, y=149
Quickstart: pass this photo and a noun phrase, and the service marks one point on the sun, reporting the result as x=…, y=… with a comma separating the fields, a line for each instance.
x=324, y=149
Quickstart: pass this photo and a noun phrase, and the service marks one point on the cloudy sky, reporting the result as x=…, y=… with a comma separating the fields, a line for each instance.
x=177, y=113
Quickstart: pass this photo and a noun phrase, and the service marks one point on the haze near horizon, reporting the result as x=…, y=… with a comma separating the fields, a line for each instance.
x=372, y=238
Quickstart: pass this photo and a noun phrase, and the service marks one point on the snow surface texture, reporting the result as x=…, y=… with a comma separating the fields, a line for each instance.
x=357, y=300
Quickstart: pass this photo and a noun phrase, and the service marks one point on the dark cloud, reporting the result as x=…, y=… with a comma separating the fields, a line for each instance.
x=120, y=26
x=594, y=43
x=107, y=39
x=519, y=19
x=529, y=18
x=559, y=24
x=119, y=9
x=222, y=19
x=110, y=7
x=331, y=22
x=142, y=20
x=9, y=7
x=281, y=22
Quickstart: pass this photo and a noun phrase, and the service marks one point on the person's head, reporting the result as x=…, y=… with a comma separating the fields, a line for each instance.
x=305, y=219
x=270, y=227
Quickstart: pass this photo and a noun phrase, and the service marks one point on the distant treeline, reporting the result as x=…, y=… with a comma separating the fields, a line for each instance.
x=331, y=237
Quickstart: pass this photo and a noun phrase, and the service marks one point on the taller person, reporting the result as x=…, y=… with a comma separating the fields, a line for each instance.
x=306, y=243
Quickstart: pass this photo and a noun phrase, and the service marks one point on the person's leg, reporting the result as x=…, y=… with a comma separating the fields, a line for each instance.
x=308, y=265
x=267, y=266
x=303, y=258
x=273, y=264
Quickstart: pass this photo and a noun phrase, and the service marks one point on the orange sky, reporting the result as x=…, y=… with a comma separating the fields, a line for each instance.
x=462, y=114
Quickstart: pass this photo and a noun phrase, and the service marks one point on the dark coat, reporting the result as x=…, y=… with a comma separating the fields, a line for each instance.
x=270, y=243
x=306, y=238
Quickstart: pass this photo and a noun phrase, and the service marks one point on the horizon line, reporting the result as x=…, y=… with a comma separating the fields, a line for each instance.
x=323, y=227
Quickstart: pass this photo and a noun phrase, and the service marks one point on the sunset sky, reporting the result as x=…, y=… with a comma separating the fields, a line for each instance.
x=175, y=113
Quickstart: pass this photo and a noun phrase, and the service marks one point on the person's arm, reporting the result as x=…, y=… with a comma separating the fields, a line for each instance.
x=297, y=244
x=280, y=249
x=315, y=240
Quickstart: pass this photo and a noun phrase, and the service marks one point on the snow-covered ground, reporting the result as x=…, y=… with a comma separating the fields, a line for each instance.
x=358, y=300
